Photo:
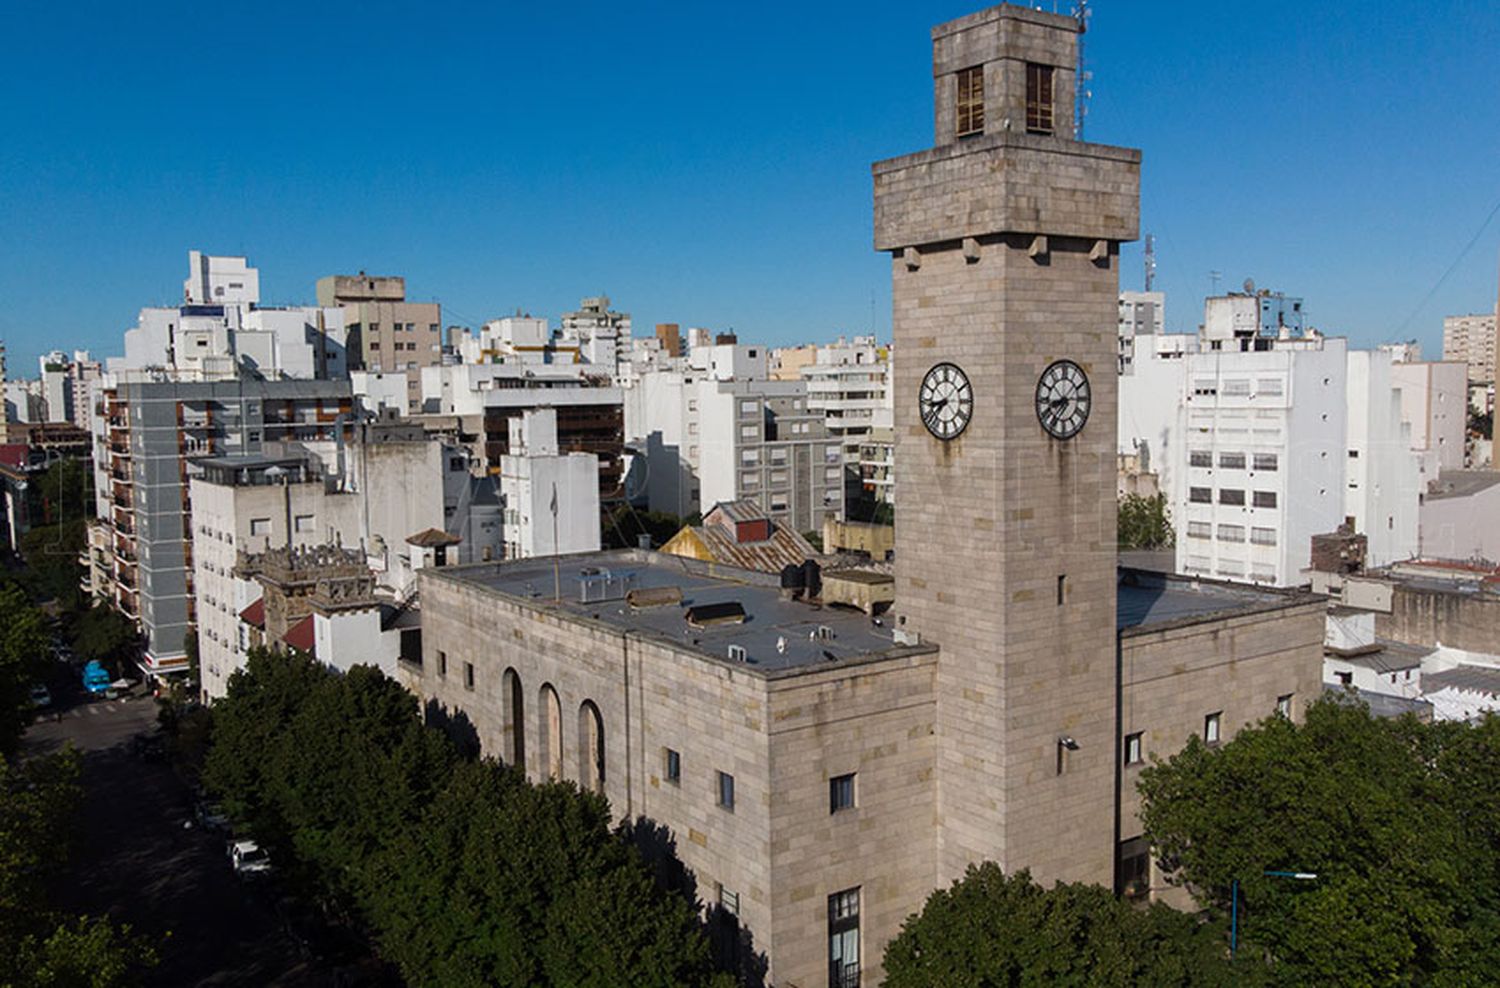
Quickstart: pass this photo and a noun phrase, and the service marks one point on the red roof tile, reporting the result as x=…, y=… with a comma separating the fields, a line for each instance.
x=300, y=635
x=255, y=614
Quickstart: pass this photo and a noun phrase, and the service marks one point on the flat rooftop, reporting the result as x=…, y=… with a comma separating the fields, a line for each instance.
x=778, y=633
x=1145, y=600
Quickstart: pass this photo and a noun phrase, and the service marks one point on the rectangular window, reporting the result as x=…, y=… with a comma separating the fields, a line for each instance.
x=1200, y=495
x=726, y=791
x=1134, y=749
x=1263, y=536
x=673, y=768
x=1134, y=868
x=1038, y=98
x=1062, y=589
x=1232, y=461
x=1211, y=727
x=749, y=407
x=1200, y=530
x=1231, y=533
x=1269, y=385
x=843, y=939
x=1200, y=458
x=260, y=526
x=1237, y=386
x=841, y=793
x=1284, y=705
x=1231, y=496
x=432, y=327
x=1265, y=461
x=749, y=457
x=746, y=431
x=468, y=675
x=1265, y=499
x=970, y=101
x=442, y=663
x=374, y=327
x=1354, y=454
x=304, y=523
x=374, y=344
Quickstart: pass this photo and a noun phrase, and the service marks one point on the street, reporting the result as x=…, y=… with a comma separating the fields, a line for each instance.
x=140, y=861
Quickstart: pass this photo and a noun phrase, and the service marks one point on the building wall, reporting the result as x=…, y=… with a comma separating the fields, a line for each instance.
x=1473, y=340
x=1434, y=617
x=1462, y=527
x=1383, y=475
x=344, y=639
x=1434, y=399
x=782, y=737
x=1173, y=677
x=228, y=520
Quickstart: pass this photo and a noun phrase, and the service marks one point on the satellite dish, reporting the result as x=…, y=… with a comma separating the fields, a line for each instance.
x=1249, y=286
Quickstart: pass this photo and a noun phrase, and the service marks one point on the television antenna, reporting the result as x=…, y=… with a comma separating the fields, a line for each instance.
x=1150, y=261
x=1081, y=77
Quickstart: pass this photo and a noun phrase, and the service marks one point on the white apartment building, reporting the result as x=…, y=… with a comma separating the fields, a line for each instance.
x=550, y=498
x=1434, y=402
x=1383, y=479
x=249, y=505
x=221, y=331
x=1261, y=464
x=850, y=383
x=600, y=335
x=1472, y=340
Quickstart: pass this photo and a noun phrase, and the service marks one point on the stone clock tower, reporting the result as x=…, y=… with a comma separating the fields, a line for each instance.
x=1004, y=242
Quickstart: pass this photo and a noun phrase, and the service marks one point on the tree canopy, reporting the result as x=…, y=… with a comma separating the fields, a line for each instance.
x=1399, y=821
x=1144, y=523
x=992, y=929
x=463, y=872
x=23, y=646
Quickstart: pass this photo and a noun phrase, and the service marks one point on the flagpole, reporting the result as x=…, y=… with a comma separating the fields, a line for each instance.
x=556, y=565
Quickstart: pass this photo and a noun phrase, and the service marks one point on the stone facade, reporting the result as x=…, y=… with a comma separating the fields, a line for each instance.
x=1004, y=260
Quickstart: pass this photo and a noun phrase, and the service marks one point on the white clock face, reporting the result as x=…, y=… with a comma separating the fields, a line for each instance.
x=946, y=401
x=1063, y=399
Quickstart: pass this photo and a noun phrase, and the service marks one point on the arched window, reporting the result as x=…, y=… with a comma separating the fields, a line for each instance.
x=514, y=743
x=590, y=747
x=551, y=733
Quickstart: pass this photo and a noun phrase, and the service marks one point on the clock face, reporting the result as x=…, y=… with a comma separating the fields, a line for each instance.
x=1063, y=399
x=946, y=401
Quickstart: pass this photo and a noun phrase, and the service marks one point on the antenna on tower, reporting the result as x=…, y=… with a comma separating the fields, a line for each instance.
x=1214, y=276
x=1081, y=77
x=1150, y=261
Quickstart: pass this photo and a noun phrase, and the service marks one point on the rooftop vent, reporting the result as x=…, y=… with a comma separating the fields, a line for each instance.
x=822, y=634
x=737, y=653
x=707, y=615
x=597, y=584
x=653, y=596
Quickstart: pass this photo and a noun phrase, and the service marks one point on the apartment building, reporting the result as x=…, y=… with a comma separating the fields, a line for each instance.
x=550, y=497
x=1383, y=475
x=600, y=335
x=385, y=332
x=148, y=437
x=1141, y=314
x=1473, y=340
x=1261, y=467
x=849, y=383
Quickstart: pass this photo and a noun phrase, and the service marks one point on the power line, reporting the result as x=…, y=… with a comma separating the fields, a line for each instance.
x=1400, y=330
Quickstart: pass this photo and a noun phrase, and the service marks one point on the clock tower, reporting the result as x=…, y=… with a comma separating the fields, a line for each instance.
x=1004, y=243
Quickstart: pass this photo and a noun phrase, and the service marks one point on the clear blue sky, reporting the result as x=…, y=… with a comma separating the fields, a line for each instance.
x=705, y=163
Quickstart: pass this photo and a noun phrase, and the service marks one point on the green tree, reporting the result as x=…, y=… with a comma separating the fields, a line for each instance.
x=508, y=883
x=104, y=634
x=1144, y=523
x=1396, y=818
x=990, y=929
x=23, y=645
x=39, y=800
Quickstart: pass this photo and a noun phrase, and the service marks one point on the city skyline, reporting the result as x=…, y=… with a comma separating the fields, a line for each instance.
x=718, y=184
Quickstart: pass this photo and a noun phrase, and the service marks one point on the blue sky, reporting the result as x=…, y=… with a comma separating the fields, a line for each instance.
x=708, y=164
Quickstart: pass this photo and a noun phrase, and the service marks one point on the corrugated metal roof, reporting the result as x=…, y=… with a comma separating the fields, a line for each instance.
x=737, y=511
x=1468, y=679
x=770, y=556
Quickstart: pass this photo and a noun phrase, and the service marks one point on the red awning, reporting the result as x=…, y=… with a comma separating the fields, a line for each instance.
x=255, y=614
x=300, y=635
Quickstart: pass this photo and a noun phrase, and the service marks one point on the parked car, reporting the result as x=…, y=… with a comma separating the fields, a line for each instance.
x=248, y=858
x=210, y=816
x=41, y=696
